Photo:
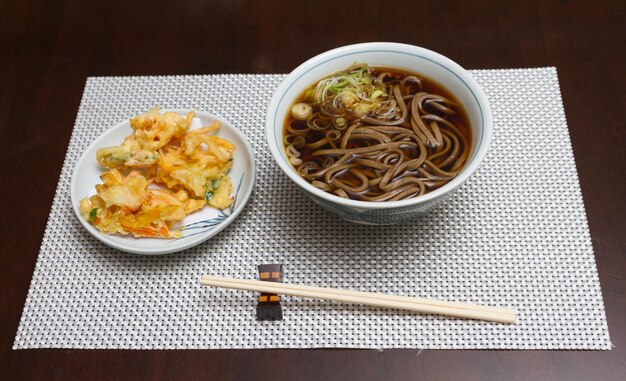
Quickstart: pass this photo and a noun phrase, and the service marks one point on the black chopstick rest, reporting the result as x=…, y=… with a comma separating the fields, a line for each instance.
x=268, y=307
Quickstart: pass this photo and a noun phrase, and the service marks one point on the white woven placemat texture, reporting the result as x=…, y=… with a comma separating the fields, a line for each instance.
x=514, y=235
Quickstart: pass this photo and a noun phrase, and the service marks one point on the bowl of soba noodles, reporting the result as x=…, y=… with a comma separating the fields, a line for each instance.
x=379, y=133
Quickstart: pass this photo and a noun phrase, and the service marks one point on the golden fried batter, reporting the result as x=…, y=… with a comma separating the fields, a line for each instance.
x=189, y=167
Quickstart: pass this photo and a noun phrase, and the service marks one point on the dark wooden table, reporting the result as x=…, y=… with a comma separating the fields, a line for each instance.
x=49, y=48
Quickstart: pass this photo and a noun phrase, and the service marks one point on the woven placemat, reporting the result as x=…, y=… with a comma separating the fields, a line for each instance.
x=514, y=235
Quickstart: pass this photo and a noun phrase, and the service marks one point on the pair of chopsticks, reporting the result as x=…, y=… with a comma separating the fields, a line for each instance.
x=460, y=310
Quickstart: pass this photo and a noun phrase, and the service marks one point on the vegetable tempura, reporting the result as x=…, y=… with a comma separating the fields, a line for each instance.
x=159, y=175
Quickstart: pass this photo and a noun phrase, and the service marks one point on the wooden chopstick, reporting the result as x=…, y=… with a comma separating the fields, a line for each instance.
x=456, y=309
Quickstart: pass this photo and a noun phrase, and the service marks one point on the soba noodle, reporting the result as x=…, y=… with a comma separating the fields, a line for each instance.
x=377, y=134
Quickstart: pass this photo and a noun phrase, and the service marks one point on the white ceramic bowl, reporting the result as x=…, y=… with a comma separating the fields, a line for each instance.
x=401, y=56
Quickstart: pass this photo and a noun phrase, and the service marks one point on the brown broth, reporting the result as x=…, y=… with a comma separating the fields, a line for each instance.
x=460, y=120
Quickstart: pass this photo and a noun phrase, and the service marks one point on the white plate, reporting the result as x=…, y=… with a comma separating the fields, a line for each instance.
x=200, y=225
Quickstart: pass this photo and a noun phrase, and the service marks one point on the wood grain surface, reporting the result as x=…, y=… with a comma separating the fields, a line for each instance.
x=49, y=48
